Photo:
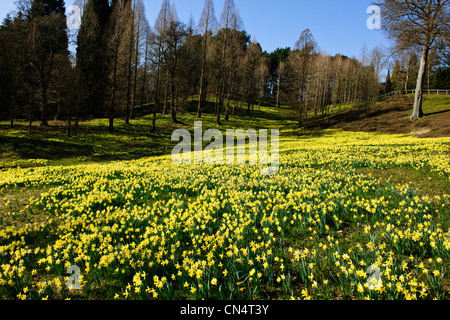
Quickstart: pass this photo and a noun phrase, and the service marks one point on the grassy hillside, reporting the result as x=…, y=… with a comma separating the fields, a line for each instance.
x=392, y=116
x=342, y=204
x=93, y=143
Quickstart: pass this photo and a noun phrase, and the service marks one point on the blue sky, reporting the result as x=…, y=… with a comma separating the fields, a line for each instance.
x=338, y=26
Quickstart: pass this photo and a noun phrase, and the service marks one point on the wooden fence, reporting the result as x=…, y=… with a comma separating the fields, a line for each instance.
x=406, y=92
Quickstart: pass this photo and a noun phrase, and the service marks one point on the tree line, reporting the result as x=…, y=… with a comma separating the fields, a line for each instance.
x=121, y=62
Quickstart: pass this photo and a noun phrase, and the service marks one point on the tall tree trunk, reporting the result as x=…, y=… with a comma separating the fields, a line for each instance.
x=11, y=110
x=219, y=105
x=406, y=80
x=69, y=129
x=173, y=102
x=202, y=76
x=278, y=92
x=113, y=99
x=234, y=103
x=30, y=115
x=300, y=114
x=156, y=93
x=129, y=74
x=222, y=73
x=44, y=106
x=260, y=90
x=58, y=110
x=166, y=88
x=144, y=78
x=227, y=109
x=136, y=63
x=418, y=111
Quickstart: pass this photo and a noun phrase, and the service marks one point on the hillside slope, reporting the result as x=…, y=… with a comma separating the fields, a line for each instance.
x=392, y=116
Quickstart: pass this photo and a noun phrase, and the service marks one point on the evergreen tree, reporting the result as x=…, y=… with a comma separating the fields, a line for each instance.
x=396, y=78
x=388, y=85
x=47, y=7
x=442, y=78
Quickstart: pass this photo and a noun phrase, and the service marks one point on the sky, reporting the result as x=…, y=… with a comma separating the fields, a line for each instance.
x=338, y=26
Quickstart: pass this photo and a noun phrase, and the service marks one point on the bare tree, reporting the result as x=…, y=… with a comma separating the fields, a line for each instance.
x=160, y=30
x=175, y=35
x=249, y=67
x=443, y=47
x=49, y=39
x=117, y=25
x=420, y=22
x=228, y=18
x=148, y=37
x=281, y=70
x=262, y=72
x=207, y=27
x=237, y=46
x=300, y=62
x=140, y=37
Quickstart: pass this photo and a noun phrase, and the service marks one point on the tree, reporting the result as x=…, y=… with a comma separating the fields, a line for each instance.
x=48, y=40
x=397, y=77
x=12, y=42
x=442, y=78
x=420, y=22
x=148, y=37
x=407, y=61
x=300, y=64
x=250, y=65
x=116, y=27
x=160, y=30
x=229, y=20
x=141, y=30
x=175, y=35
x=92, y=59
x=443, y=47
x=277, y=69
x=388, y=83
x=190, y=63
x=207, y=27
x=262, y=73
x=238, y=46
x=131, y=26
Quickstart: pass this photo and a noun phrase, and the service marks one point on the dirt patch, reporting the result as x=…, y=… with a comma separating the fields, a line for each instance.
x=12, y=205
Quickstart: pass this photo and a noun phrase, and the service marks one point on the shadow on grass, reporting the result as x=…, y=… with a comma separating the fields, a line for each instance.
x=92, y=141
x=438, y=112
x=38, y=148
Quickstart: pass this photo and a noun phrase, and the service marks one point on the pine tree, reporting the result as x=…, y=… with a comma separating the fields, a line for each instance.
x=207, y=26
x=47, y=7
x=388, y=85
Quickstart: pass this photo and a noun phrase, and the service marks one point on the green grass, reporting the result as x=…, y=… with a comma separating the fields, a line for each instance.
x=436, y=104
x=93, y=143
